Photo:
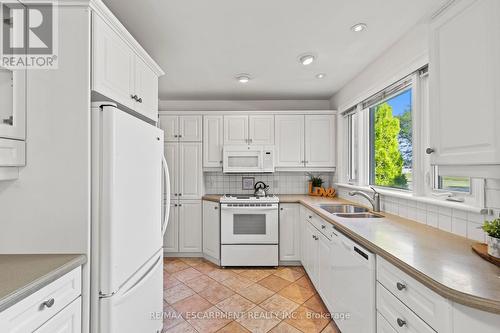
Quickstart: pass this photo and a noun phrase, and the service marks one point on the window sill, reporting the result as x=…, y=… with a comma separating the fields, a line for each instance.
x=427, y=200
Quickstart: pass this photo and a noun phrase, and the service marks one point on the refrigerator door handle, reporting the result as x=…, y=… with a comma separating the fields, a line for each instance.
x=166, y=204
x=143, y=278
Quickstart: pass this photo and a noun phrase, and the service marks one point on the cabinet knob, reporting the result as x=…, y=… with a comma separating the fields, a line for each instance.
x=401, y=322
x=429, y=151
x=139, y=100
x=323, y=226
x=175, y=135
x=180, y=205
x=281, y=208
x=216, y=207
x=400, y=286
x=180, y=135
x=48, y=303
x=175, y=205
x=180, y=194
x=310, y=216
x=220, y=162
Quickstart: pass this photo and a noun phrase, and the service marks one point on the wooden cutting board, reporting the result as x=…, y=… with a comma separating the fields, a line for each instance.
x=482, y=250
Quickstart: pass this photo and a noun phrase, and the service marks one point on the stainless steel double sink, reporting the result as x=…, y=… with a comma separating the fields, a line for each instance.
x=348, y=211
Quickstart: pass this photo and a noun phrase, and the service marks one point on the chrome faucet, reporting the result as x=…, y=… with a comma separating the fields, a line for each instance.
x=375, y=200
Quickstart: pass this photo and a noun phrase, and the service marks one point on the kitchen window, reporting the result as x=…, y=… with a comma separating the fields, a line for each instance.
x=391, y=147
x=352, y=141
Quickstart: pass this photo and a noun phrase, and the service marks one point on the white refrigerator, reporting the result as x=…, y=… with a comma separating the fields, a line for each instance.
x=128, y=222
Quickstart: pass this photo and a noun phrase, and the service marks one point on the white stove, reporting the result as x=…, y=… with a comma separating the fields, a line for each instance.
x=249, y=230
x=241, y=198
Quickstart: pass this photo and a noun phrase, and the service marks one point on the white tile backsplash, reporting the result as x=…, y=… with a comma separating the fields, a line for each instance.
x=279, y=182
x=456, y=221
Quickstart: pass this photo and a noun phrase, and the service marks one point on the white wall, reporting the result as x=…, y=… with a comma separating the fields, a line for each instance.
x=243, y=105
x=405, y=56
x=47, y=210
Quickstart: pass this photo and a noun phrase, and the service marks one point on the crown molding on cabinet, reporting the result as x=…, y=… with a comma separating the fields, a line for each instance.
x=250, y=112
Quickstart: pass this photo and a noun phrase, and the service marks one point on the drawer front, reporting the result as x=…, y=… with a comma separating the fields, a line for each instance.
x=12, y=153
x=31, y=312
x=428, y=305
x=69, y=320
x=402, y=319
x=383, y=325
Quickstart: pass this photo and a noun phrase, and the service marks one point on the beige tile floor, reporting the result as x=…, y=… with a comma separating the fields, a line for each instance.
x=202, y=297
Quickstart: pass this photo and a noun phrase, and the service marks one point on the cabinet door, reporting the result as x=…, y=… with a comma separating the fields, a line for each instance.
x=324, y=270
x=311, y=252
x=146, y=89
x=190, y=226
x=464, y=86
x=235, y=130
x=289, y=232
x=171, y=238
x=212, y=141
x=112, y=64
x=261, y=129
x=320, y=140
x=211, y=229
x=171, y=152
x=170, y=125
x=13, y=103
x=289, y=147
x=190, y=128
x=68, y=320
x=190, y=171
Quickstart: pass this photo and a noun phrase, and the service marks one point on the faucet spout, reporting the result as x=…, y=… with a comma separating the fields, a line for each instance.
x=374, y=201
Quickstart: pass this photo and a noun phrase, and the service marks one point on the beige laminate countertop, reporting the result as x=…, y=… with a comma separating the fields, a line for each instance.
x=440, y=260
x=23, y=274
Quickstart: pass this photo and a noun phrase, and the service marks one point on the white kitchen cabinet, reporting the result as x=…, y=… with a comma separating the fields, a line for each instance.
x=324, y=270
x=13, y=104
x=146, y=89
x=119, y=74
x=184, y=165
x=312, y=253
x=319, y=141
x=211, y=229
x=466, y=320
x=69, y=320
x=190, y=175
x=464, y=86
x=181, y=128
x=383, y=325
x=261, y=129
x=236, y=130
x=249, y=129
x=289, y=149
x=190, y=128
x=170, y=127
x=290, y=232
x=32, y=312
x=213, y=141
x=190, y=226
x=171, y=238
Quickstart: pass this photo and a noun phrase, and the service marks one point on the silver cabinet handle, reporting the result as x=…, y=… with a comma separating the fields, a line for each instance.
x=429, y=151
x=180, y=135
x=310, y=216
x=139, y=100
x=175, y=135
x=281, y=208
x=216, y=207
x=134, y=97
x=175, y=205
x=180, y=205
x=48, y=303
x=401, y=322
x=400, y=286
x=180, y=194
x=220, y=162
x=323, y=226
x=313, y=236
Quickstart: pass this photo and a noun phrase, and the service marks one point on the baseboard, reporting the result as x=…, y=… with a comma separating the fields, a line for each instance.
x=290, y=263
x=182, y=254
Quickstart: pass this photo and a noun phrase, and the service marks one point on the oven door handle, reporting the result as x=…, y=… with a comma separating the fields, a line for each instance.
x=233, y=208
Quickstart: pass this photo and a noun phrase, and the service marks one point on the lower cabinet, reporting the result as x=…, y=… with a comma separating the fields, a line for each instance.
x=69, y=320
x=211, y=229
x=325, y=270
x=289, y=232
x=311, y=252
x=184, y=228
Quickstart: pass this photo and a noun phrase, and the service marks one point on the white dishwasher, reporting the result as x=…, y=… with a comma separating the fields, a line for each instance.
x=353, y=286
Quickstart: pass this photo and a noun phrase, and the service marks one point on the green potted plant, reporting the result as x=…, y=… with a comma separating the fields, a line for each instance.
x=314, y=182
x=492, y=228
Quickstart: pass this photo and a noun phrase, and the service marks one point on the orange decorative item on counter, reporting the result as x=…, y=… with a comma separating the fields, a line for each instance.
x=321, y=191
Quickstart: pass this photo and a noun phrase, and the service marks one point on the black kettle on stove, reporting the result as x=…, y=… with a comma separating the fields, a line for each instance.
x=260, y=189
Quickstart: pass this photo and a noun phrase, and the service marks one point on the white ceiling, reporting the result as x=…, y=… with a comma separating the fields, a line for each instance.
x=203, y=44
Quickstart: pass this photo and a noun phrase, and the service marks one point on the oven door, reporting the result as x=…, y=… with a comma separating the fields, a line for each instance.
x=249, y=224
x=242, y=159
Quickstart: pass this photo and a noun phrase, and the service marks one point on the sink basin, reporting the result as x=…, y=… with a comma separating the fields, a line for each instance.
x=360, y=215
x=342, y=209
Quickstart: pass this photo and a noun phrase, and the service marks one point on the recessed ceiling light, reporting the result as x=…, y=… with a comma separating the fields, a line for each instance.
x=320, y=76
x=358, y=27
x=243, y=78
x=307, y=59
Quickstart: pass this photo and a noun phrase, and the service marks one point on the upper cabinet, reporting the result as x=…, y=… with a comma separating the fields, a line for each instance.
x=213, y=140
x=119, y=73
x=305, y=141
x=181, y=128
x=464, y=86
x=245, y=129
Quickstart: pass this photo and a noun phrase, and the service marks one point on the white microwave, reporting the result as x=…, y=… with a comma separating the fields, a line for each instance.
x=248, y=159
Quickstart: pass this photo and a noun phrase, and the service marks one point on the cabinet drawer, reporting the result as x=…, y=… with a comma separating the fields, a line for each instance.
x=383, y=325
x=428, y=305
x=12, y=153
x=69, y=320
x=398, y=315
x=31, y=312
